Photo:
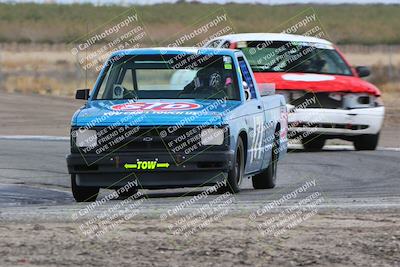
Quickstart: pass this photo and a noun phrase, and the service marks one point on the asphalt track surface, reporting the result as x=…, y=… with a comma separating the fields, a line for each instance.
x=34, y=183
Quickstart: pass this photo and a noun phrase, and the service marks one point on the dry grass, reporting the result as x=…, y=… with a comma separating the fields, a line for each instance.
x=53, y=70
x=51, y=23
x=391, y=99
x=41, y=86
x=41, y=69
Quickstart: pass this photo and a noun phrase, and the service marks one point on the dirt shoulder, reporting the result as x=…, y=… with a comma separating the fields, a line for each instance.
x=334, y=239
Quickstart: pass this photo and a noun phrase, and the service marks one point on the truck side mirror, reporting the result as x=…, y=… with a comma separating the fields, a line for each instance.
x=363, y=71
x=82, y=94
x=247, y=93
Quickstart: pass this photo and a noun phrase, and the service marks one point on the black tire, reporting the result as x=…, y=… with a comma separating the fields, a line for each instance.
x=235, y=175
x=313, y=143
x=83, y=193
x=267, y=178
x=366, y=142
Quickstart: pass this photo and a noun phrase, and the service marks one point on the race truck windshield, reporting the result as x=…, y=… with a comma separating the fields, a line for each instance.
x=294, y=57
x=187, y=76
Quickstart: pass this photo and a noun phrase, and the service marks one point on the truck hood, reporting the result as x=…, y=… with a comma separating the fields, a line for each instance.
x=149, y=112
x=316, y=82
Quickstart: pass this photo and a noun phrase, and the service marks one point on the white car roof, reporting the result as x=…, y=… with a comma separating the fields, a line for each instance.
x=169, y=50
x=273, y=37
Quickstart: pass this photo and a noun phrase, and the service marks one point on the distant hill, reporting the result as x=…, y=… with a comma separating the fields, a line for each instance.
x=152, y=2
x=53, y=23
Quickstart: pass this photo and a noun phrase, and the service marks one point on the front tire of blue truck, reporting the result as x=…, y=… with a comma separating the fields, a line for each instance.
x=235, y=175
x=267, y=178
x=83, y=193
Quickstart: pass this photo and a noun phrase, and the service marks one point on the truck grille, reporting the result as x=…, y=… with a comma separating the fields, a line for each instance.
x=139, y=139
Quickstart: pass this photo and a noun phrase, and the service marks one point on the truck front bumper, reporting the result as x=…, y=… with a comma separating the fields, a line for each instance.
x=113, y=170
x=336, y=121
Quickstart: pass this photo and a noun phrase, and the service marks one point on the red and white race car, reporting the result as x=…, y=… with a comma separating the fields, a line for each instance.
x=327, y=97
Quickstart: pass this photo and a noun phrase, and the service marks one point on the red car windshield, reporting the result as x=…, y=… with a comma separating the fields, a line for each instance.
x=294, y=57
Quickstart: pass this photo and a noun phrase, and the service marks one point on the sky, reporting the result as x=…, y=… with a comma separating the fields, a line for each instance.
x=267, y=2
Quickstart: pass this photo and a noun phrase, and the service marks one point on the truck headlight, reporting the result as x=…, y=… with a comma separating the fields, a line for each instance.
x=85, y=138
x=212, y=136
x=361, y=100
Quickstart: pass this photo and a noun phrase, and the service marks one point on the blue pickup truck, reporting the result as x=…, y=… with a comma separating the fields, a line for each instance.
x=175, y=117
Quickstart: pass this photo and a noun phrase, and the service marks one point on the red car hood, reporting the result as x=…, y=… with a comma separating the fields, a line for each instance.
x=316, y=82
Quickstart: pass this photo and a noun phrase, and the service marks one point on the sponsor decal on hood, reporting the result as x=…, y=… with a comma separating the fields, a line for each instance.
x=155, y=106
x=155, y=112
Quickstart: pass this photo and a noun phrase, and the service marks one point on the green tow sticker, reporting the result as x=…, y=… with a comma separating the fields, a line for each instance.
x=228, y=66
x=146, y=165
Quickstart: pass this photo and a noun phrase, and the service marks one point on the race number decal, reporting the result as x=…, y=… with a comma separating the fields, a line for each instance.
x=256, y=146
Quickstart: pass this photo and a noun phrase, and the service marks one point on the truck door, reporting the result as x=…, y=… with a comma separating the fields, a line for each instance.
x=254, y=120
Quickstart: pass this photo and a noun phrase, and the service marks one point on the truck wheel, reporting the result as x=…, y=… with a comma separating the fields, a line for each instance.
x=366, y=142
x=313, y=143
x=83, y=193
x=235, y=175
x=267, y=178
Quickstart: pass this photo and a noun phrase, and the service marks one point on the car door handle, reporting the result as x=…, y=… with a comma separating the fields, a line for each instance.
x=259, y=107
